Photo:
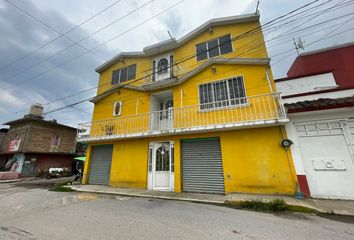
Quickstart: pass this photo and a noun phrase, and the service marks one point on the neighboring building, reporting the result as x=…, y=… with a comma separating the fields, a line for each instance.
x=209, y=123
x=32, y=145
x=3, y=132
x=319, y=97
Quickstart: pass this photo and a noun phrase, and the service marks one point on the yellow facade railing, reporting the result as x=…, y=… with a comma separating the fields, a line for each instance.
x=260, y=109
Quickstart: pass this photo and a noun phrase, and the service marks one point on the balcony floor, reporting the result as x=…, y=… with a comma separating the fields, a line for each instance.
x=177, y=131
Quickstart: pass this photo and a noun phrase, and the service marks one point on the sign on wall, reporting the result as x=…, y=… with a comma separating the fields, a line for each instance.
x=14, y=145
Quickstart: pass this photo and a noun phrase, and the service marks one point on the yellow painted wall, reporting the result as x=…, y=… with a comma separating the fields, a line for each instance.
x=251, y=46
x=253, y=161
x=136, y=104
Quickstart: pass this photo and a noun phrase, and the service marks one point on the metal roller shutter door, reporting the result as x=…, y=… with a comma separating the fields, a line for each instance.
x=202, y=169
x=100, y=167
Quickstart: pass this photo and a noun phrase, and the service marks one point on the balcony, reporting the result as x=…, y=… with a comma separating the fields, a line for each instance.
x=153, y=80
x=254, y=111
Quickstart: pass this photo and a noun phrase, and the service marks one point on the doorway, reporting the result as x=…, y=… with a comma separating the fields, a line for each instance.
x=162, y=111
x=161, y=166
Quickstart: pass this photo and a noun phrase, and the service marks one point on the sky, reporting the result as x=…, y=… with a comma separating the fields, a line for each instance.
x=39, y=65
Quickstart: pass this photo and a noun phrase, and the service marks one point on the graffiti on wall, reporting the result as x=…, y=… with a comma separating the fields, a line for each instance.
x=54, y=144
x=14, y=145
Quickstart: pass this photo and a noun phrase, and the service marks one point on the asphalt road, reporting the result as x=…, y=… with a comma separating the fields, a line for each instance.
x=30, y=211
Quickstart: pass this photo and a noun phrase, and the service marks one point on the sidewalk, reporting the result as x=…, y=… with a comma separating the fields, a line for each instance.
x=324, y=206
x=12, y=180
x=37, y=181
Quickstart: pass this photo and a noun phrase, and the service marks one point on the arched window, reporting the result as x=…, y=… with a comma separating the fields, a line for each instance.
x=162, y=66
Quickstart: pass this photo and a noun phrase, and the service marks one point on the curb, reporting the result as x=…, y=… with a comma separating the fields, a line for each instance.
x=12, y=180
x=196, y=200
x=150, y=196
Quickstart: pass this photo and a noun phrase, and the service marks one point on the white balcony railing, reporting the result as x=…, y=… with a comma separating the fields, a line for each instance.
x=173, y=73
x=236, y=113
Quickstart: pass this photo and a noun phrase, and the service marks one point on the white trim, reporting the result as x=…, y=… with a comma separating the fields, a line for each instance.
x=173, y=82
x=268, y=79
x=214, y=109
x=120, y=109
x=348, y=44
x=190, y=130
x=228, y=94
x=207, y=47
x=151, y=175
x=314, y=96
x=120, y=73
x=165, y=75
x=333, y=113
x=319, y=116
x=172, y=44
x=137, y=106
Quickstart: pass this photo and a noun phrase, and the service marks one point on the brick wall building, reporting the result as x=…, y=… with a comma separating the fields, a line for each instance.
x=3, y=133
x=36, y=145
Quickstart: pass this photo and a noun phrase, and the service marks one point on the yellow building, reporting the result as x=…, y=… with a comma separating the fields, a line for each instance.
x=197, y=114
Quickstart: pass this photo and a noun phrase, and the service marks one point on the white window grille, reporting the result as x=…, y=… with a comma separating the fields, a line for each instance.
x=228, y=92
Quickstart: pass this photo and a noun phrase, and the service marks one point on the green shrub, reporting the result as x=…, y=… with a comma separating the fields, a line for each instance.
x=276, y=205
x=61, y=189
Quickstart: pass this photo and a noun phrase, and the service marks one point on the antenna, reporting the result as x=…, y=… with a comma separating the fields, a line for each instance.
x=169, y=34
x=299, y=44
x=257, y=6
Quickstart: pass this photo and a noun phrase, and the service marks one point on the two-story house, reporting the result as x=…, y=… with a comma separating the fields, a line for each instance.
x=32, y=145
x=319, y=97
x=197, y=114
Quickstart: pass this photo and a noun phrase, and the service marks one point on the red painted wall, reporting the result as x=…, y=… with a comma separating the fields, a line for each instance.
x=3, y=160
x=340, y=61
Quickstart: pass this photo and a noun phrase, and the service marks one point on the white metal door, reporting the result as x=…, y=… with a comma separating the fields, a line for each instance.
x=327, y=152
x=161, y=166
x=163, y=119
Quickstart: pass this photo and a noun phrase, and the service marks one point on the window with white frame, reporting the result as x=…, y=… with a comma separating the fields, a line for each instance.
x=162, y=67
x=123, y=74
x=214, y=47
x=117, y=108
x=228, y=92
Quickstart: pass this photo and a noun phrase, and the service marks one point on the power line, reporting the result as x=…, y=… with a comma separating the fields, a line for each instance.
x=90, y=89
x=311, y=43
x=60, y=34
x=332, y=31
x=90, y=50
x=33, y=77
x=248, y=51
x=83, y=100
x=74, y=94
x=50, y=27
x=94, y=49
x=315, y=1
x=75, y=43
